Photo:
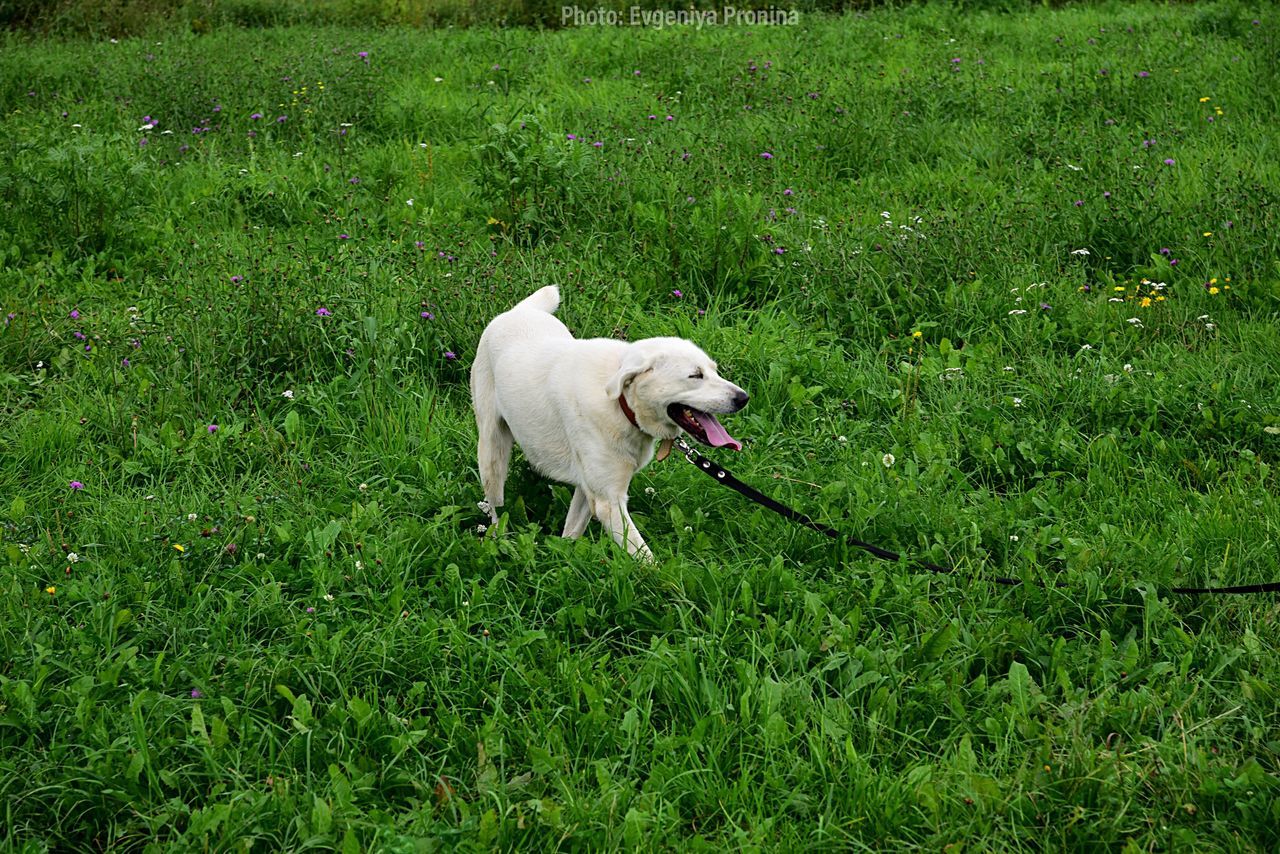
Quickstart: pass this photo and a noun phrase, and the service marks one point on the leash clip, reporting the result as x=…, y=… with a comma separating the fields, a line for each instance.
x=687, y=449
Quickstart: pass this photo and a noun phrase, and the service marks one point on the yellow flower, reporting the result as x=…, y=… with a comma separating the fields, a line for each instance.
x=1218, y=110
x=1202, y=100
x=1208, y=234
x=1213, y=281
x=1146, y=302
x=917, y=334
x=1213, y=290
x=1119, y=288
x=179, y=547
x=51, y=590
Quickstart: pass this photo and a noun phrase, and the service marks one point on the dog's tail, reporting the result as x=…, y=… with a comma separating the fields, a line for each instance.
x=545, y=299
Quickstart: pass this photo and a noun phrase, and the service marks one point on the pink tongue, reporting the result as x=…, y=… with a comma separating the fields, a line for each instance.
x=717, y=436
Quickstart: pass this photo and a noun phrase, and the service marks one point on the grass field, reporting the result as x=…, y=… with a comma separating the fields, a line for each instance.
x=1003, y=287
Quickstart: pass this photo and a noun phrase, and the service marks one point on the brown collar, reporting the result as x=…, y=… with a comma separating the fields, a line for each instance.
x=664, y=447
x=626, y=410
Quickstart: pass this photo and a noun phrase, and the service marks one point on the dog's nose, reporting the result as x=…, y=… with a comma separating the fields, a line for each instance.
x=740, y=400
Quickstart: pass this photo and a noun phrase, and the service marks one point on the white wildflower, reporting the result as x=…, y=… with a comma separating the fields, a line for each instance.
x=888, y=460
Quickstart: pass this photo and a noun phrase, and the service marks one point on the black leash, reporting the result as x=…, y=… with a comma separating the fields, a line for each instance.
x=723, y=476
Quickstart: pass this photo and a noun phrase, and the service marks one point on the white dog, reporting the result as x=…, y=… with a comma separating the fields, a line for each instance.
x=587, y=412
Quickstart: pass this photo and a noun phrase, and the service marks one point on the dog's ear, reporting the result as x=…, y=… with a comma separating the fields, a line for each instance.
x=633, y=365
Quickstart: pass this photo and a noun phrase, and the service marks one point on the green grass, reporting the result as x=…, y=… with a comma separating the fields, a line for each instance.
x=289, y=633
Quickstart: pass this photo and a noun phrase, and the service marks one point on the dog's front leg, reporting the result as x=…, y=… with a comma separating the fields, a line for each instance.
x=579, y=515
x=615, y=518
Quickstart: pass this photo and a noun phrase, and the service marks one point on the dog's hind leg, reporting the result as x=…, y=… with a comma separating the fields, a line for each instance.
x=493, y=448
x=579, y=514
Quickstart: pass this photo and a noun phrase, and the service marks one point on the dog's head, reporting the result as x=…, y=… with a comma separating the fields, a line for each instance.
x=672, y=385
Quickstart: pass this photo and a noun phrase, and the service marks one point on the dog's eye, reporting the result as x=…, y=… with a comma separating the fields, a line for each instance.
x=696, y=375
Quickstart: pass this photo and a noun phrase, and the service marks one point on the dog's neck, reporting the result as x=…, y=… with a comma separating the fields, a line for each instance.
x=627, y=411
x=664, y=447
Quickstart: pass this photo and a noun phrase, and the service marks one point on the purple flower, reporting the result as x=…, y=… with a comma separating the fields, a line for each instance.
x=8, y=318
x=212, y=428
x=426, y=315
x=353, y=180
x=74, y=314
x=1147, y=143
x=256, y=116
x=235, y=280
x=419, y=244
x=344, y=236
x=570, y=137
x=779, y=250
x=1168, y=161
x=652, y=117
x=677, y=293
x=450, y=355
x=1173, y=262
x=196, y=694
x=1106, y=194
x=1044, y=306
x=766, y=155
x=79, y=336
x=311, y=610
x=1143, y=74
x=788, y=192
x=597, y=144
x=323, y=312
x=955, y=61
x=1079, y=203
x=281, y=120
x=75, y=484
x=364, y=54
x=124, y=363
x=1165, y=250
x=671, y=118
